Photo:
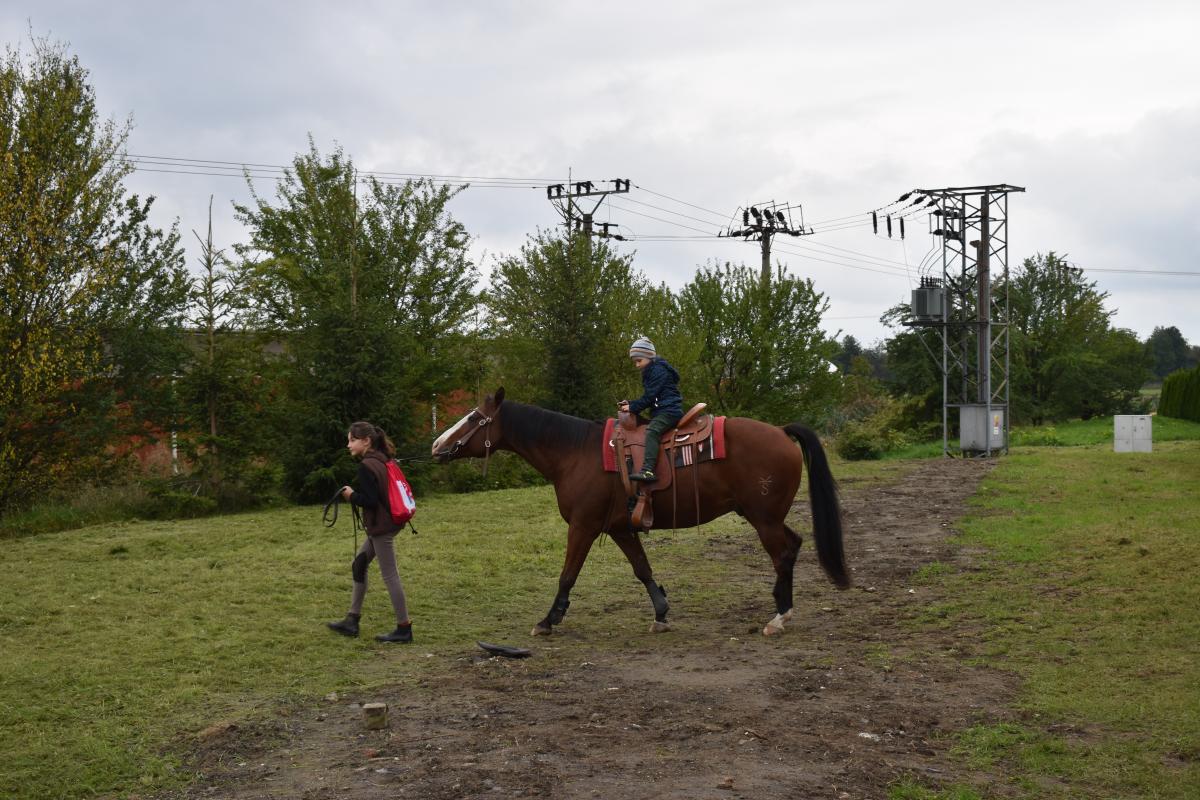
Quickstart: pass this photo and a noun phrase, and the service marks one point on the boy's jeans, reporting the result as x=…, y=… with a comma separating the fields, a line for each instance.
x=654, y=431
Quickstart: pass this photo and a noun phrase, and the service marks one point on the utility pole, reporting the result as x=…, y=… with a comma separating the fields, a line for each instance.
x=972, y=223
x=565, y=197
x=762, y=222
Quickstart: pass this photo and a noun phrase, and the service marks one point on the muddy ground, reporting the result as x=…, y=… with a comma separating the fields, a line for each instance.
x=851, y=698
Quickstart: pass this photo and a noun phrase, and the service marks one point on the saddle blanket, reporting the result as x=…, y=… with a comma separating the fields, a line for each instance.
x=709, y=449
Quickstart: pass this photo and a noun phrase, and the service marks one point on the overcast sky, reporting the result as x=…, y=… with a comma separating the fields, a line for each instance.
x=1093, y=107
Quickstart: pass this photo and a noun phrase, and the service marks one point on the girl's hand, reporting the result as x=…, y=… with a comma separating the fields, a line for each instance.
x=623, y=405
x=346, y=492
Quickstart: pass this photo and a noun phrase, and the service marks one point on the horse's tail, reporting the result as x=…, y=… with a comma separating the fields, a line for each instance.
x=826, y=510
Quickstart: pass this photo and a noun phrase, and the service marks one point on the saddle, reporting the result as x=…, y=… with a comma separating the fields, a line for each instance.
x=629, y=441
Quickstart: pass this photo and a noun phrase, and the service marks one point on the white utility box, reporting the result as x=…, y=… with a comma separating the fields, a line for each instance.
x=981, y=428
x=1131, y=433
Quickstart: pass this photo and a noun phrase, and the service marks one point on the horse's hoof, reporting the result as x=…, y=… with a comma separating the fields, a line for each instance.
x=775, y=626
x=659, y=627
x=541, y=630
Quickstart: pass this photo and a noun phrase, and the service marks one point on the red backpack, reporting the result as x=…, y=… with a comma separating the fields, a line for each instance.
x=400, y=496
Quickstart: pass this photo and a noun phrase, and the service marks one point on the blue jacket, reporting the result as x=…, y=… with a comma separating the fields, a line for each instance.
x=661, y=384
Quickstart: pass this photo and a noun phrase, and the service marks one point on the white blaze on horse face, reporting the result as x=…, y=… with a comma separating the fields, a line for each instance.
x=440, y=444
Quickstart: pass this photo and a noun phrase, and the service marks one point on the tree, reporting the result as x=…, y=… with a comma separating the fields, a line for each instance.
x=368, y=295
x=1066, y=359
x=762, y=351
x=1169, y=350
x=562, y=312
x=92, y=297
x=913, y=355
x=225, y=387
x=850, y=350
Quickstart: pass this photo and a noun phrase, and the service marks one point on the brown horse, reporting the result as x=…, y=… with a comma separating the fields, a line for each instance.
x=758, y=479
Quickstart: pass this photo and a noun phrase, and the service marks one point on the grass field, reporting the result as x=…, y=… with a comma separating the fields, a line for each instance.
x=122, y=640
x=1091, y=593
x=1072, y=433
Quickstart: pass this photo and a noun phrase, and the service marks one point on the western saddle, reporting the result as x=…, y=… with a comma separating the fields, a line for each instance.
x=629, y=441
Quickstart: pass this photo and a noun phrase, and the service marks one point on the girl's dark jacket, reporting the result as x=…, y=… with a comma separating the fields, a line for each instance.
x=371, y=494
x=661, y=384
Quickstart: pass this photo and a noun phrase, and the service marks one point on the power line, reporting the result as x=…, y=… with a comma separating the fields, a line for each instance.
x=1138, y=271
x=660, y=219
x=869, y=266
x=716, y=214
x=669, y=211
x=254, y=170
x=239, y=165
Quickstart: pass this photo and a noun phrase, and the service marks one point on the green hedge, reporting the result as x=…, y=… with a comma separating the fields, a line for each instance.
x=1180, y=396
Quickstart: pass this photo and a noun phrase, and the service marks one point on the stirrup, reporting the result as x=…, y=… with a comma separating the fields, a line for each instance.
x=644, y=475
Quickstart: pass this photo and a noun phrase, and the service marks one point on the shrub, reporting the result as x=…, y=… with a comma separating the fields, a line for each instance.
x=871, y=438
x=171, y=504
x=1180, y=396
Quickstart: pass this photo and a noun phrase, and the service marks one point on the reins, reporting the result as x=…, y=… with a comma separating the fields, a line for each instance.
x=355, y=515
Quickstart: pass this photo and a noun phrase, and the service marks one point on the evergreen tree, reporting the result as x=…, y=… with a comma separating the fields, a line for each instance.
x=1168, y=349
x=850, y=350
x=225, y=387
x=368, y=290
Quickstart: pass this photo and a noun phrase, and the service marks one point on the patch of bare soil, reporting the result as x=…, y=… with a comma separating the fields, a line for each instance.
x=847, y=701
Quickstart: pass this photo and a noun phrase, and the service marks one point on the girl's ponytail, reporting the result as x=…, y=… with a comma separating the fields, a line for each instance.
x=381, y=442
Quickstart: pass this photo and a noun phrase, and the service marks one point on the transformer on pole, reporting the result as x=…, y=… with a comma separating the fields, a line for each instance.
x=972, y=223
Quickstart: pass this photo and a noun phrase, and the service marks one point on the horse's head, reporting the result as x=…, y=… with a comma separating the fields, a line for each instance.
x=474, y=436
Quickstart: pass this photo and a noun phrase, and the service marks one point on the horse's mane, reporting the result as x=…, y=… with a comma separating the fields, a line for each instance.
x=528, y=423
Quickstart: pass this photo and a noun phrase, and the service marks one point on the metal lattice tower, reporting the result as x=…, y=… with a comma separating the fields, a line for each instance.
x=974, y=320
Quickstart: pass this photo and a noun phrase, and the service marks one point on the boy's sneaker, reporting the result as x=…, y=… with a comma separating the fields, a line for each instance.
x=645, y=475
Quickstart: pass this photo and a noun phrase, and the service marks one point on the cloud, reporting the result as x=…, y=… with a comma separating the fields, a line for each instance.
x=1128, y=200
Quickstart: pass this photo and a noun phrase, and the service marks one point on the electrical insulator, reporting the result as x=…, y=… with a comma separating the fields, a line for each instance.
x=875, y=222
x=889, y=225
x=902, y=227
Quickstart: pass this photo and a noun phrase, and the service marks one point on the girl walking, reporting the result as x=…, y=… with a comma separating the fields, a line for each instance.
x=374, y=449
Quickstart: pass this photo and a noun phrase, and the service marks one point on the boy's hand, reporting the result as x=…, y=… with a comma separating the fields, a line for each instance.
x=346, y=492
x=623, y=405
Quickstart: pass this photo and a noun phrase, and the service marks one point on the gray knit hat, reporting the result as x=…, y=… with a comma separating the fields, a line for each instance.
x=642, y=348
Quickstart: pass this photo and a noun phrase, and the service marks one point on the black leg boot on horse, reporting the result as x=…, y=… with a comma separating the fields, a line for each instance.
x=631, y=546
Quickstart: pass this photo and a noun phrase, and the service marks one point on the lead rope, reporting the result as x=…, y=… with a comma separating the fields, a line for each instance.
x=355, y=515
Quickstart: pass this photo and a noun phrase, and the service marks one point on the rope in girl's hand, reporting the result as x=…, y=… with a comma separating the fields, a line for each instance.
x=355, y=515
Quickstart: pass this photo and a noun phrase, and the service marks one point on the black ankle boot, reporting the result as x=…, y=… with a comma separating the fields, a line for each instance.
x=347, y=626
x=402, y=635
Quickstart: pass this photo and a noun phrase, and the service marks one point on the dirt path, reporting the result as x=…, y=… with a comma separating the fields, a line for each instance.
x=850, y=699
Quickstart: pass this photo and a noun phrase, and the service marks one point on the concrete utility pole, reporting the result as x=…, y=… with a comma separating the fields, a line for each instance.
x=762, y=222
x=565, y=197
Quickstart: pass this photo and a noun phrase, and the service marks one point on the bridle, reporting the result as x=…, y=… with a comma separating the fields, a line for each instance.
x=483, y=422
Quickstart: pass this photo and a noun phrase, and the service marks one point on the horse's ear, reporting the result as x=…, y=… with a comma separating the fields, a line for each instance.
x=499, y=396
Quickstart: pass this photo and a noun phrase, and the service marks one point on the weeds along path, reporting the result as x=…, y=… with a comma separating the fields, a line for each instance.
x=848, y=701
